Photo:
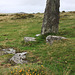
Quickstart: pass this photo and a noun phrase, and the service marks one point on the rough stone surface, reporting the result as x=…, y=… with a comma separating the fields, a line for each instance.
x=9, y=51
x=50, y=38
x=51, y=17
x=38, y=35
x=19, y=58
x=27, y=39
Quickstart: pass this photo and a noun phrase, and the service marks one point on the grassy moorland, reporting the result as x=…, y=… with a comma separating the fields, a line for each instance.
x=44, y=59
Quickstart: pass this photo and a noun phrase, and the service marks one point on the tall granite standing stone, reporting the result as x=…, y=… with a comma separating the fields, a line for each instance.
x=51, y=17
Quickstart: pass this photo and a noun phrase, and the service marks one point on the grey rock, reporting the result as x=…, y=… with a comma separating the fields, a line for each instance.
x=19, y=58
x=50, y=38
x=27, y=39
x=9, y=51
x=51, y=17
x=38, y=34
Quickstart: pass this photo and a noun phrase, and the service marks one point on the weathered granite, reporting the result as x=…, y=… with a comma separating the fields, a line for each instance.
x=19, y=58
x=27, y=39
x=51, y=17
x=9, y=51
x=50, y=38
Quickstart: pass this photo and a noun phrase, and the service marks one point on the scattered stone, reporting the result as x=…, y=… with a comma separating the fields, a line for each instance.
x=38, y=34
x=9, y=51
x=19, y=58
x=27, y=39
x=50, y=38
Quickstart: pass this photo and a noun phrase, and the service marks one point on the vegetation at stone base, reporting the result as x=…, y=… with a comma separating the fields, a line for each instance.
x=57, y=59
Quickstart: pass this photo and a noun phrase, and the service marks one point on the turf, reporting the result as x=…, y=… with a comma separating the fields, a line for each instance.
x=59, y=58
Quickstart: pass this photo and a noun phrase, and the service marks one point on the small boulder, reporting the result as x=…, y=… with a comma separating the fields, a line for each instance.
x=38, y=35
x=19, y=58
x=27, y=39
x=50, y=38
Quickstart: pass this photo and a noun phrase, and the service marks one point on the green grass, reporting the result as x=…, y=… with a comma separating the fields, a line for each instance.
x=58, y=59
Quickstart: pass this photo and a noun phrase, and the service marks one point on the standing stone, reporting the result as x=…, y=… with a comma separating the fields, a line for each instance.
x=51, y=17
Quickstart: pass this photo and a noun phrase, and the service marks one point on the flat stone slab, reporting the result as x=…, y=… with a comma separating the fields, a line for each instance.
x=8, y=51
x=27, y=39
x=19, y=58
x=50, y=38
